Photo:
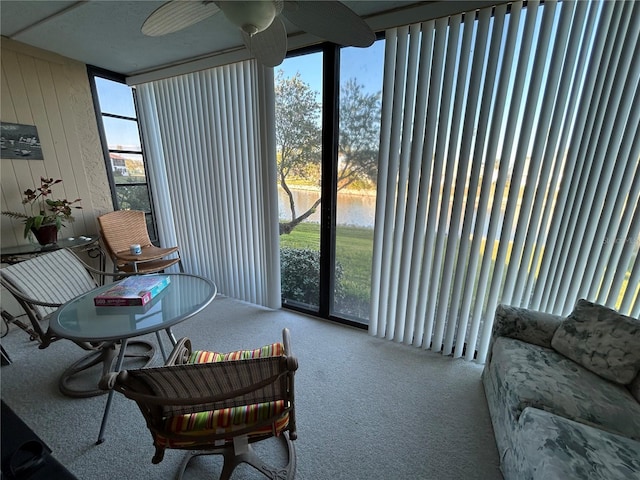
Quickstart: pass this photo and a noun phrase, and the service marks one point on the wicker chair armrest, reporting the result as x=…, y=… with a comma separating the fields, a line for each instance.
x=180, y=353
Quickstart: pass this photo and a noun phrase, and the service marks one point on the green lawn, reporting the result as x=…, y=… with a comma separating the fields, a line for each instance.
x=354, y=248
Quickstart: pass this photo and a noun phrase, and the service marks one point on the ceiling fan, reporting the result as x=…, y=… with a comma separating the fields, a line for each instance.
x=260, y=22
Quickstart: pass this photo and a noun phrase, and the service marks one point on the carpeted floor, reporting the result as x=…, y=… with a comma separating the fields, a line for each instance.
x=366, y=408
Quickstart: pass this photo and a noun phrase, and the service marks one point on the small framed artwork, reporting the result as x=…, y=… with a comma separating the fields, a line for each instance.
x=19, y=142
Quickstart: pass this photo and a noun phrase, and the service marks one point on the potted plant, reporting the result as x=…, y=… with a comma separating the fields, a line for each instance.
x=45, y=216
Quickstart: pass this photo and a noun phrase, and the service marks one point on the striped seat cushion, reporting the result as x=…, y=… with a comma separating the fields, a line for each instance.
x=203, y=356
x=227, y=420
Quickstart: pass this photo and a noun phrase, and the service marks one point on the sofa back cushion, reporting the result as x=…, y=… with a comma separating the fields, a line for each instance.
x=601, y=340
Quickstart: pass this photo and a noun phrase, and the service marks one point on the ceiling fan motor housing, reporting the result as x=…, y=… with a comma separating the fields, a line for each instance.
x=251, y=16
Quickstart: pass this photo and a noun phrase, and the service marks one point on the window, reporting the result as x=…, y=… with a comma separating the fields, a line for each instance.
x=124, y=156
x=327, y=135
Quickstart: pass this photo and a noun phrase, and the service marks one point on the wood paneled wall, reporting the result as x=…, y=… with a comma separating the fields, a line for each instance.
x=53, y=93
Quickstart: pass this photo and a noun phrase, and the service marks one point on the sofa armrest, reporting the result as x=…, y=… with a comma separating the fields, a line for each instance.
x=531, y=326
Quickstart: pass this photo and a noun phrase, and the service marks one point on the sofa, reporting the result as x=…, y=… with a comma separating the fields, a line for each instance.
x=564, y=393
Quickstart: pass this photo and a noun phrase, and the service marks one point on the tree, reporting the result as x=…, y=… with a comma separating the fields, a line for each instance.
x=359, y=134
x=298, y=137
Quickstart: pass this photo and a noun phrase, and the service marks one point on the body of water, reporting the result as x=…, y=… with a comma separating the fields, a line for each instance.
x=354, y=209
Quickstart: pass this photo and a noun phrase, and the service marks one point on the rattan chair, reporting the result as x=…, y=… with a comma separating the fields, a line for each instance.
x=213, y=403
x=45, y=282
x=123, y=228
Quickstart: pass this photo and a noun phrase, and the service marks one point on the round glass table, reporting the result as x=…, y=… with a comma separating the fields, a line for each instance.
x=81, y=321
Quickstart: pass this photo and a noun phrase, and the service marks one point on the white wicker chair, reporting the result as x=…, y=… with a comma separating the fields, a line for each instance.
x=45, y=282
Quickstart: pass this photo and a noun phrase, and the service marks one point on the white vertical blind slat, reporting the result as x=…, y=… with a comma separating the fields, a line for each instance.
x=485, y=228
x=426, y=235
x=268, y=178
x=630, y=244
x=413, y=154
x=382, y=230
x=558, y=137
x=470, y=228
x=387, y=303
x=582, y=191
x=440, y=183
x=208, y=132
x=418, y=179
x=507, y=146
x=403, y=227
x=514, y=156
x=526, y=228
x=465, y=161
x=454, y=186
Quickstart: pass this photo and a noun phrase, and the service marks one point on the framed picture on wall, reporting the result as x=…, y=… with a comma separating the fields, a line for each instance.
x=19, y=142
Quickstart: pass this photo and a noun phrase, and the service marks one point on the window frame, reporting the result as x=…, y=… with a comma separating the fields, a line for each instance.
x=94, y=72
x=329, y=188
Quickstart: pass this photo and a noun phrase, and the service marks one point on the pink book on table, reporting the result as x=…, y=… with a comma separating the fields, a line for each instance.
x=132, y=291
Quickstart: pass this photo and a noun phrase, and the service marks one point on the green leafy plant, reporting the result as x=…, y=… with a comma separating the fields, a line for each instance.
x=42, y=209
x=300, y=269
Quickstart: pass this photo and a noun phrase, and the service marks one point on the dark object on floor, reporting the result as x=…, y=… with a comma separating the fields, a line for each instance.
x=24, y=455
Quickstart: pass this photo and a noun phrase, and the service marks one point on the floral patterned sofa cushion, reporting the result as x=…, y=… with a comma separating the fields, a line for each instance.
x=634, y=387
x=530, y=375
x=548, y=446
x=601, y=340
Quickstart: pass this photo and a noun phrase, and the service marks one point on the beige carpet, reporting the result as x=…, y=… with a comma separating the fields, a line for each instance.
x=367, y=408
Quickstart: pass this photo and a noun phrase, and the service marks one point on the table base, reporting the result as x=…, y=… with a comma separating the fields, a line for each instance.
x=106, y=357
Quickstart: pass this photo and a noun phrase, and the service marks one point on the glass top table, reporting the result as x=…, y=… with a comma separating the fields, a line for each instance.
x=20, y=253
x=35, y=248
x=80, y=320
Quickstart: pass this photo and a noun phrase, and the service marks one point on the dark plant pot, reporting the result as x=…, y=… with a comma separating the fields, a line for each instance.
x=46, y=234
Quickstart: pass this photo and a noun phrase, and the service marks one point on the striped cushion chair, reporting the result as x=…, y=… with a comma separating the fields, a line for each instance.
x=217, y=403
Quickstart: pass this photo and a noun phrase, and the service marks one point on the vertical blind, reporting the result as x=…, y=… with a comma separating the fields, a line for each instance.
x=211, y=143
x=508, y=170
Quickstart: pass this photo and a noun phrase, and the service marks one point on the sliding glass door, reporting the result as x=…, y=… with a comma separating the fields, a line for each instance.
x=298, y=85
x=327, y=129
x=357, y=160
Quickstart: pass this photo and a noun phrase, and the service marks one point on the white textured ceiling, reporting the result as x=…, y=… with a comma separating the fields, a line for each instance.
x=106, y=33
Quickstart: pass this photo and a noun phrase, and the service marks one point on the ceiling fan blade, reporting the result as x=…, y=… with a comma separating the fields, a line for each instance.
x=269, y=46
x=176, y=15
x=331, y=20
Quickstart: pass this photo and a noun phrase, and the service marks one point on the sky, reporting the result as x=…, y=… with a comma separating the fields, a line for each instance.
x=364, y=64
